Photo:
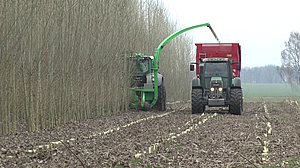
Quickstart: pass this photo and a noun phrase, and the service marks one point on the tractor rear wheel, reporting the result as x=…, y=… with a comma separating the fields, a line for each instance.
x=197, y=104
x=236, y=101
x=161, y=101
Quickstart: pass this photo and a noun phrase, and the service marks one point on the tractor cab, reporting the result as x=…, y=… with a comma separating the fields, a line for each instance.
x=141, y=70
x=142, y=65
x=217, y=77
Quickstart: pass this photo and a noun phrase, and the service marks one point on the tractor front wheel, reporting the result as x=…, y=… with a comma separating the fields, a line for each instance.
x=197, y=104
x=236, y=101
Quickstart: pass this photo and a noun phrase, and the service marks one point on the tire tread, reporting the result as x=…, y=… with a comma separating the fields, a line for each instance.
x=236, y=101
x=197, y=105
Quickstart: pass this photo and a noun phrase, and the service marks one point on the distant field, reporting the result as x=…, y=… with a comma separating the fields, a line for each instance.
x=270, y=92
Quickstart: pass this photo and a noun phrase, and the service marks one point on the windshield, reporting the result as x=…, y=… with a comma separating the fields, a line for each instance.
x=141, y=66
x=216, y=69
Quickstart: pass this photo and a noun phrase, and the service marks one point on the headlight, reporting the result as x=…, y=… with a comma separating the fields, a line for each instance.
x=212, y=89
x=220, y=89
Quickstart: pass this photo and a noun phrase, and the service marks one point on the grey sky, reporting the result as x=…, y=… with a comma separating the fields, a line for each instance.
x=260, y=26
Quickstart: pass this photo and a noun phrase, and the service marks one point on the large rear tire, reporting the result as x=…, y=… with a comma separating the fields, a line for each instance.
x=197, y=104
x=161, y=101
x=236, y=101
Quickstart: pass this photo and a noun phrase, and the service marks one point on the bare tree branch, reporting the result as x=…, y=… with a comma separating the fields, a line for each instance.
x=290, y=58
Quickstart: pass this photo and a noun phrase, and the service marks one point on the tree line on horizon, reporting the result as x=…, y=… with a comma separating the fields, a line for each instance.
x=263, y=74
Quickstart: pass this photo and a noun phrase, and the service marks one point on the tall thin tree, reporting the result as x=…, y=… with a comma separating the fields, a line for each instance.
x=290, y=58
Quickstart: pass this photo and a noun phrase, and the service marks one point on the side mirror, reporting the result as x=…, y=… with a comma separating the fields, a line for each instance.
x=238, y=67
x=192, y=68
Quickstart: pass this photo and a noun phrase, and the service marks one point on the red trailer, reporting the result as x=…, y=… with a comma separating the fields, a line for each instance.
x=231, y=51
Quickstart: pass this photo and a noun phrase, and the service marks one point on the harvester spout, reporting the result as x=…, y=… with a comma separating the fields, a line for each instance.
x=213, y=32
x=160, y=47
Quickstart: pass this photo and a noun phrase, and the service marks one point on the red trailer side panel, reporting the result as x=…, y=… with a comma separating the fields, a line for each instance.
x=231, y=51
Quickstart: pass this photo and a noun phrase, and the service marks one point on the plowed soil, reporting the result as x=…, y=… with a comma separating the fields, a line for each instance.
x=265, y=134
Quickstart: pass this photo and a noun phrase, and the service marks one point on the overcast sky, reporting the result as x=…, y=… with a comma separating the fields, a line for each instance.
x=260, y=26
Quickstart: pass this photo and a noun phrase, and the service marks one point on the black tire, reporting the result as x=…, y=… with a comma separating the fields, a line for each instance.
x=236, y=101
x=197, y=104
x=161, y=100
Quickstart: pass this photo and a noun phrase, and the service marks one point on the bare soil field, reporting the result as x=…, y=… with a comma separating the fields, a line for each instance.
x=265, y=135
